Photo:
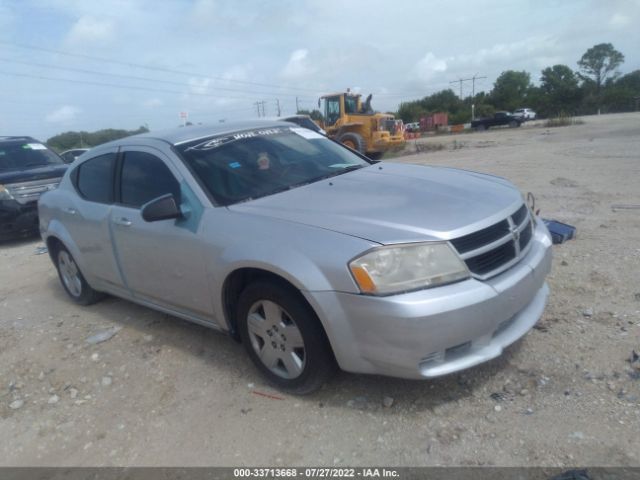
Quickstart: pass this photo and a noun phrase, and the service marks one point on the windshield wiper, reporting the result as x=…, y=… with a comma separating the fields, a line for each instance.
x=350, y=168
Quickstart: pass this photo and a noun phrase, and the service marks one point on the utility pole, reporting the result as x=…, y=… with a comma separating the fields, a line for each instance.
x=278, y=104
x=473, y=84
x=258, y=105
x=460, y=80
x=297, y=107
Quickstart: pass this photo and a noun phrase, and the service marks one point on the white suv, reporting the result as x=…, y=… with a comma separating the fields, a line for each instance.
x=525, y=114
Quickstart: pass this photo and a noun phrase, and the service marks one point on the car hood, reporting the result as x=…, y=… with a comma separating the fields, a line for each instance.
x=30, y=174
x=393, y=203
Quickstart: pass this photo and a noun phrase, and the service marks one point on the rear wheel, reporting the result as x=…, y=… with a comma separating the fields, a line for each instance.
x=481, y=128
x=353, y=140
x=514, y=123
x=72, y=279
x=284, y=338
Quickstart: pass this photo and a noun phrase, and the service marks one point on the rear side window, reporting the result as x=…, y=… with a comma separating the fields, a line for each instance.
x=144, y=178
x=95, y=178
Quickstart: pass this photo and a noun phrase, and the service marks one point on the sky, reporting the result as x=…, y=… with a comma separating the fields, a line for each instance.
x=87, y=64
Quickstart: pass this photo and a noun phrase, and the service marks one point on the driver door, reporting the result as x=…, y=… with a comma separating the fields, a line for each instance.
x=161, y=261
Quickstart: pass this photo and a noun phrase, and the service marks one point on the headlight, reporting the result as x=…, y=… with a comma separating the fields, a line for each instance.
x=5, y=194
x=401, y=268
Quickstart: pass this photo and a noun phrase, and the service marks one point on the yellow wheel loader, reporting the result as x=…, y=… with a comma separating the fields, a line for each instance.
x=355, y=124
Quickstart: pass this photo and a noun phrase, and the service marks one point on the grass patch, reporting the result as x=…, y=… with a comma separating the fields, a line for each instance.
x=562, y=121
x=429, y=147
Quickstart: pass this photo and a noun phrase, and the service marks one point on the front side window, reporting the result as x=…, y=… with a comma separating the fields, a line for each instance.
x=94, y=178
x=144, y=178
x=332, y=110
x=251, y=164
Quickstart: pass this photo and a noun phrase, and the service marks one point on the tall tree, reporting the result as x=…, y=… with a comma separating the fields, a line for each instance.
x=562, y=92
x=510, y=90
x=599, y=62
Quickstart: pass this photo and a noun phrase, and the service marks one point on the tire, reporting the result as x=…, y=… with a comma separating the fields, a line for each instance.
x=481, y=128
x=514, y=123
x=284, y=337
x=72, y=279
x=353, y=140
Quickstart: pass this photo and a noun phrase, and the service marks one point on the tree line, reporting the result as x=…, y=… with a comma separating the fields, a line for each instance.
x=595, y=87
x=68, y=140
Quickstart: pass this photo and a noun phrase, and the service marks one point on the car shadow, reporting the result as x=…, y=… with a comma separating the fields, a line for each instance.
x=345, y=390
x=15, y=242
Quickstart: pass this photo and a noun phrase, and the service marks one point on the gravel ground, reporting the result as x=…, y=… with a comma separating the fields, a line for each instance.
x=161, y=391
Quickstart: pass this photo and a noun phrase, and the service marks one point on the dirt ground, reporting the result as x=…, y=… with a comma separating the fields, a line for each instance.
x=165, y=392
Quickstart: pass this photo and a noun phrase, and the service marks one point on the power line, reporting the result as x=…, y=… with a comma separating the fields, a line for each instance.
x=149, y=67
x=133, y=77
x=115, y=85
x=186, y=73
x=472, y=79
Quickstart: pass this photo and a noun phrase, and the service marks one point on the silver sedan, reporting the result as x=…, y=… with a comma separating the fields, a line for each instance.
x=311, y=255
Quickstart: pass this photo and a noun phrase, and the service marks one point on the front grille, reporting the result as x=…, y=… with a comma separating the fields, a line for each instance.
x=482, y=237
x=26, y=192
x=525, y=236
x=492, y=250
x=491, y=260
x=520, y=215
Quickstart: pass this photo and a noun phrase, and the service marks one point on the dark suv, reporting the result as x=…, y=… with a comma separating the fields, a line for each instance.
x=27, y=169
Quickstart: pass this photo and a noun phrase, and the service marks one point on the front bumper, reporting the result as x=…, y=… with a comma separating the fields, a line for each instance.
x=17, y=219
x=437, y=331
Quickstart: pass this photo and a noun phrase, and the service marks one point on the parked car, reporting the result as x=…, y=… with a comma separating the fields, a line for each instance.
x=412, y=127
x=305, y=251
x=70, y=155
x=499, y=119
x=525, y=114
x=27, y=169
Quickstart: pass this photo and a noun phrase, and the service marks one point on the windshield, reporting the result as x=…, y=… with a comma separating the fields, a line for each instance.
x=256, y=163
x=21, y=155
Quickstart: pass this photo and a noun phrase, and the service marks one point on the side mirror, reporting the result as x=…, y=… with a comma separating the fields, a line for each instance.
x=161, y=208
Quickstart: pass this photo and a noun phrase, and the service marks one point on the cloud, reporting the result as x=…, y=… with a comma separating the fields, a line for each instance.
x=619, y=20
x=64, y=114
x=90, y=30
x=504, y=53
x=430, y=66
x=152, y=103
x=298, y=65
x=199, y=86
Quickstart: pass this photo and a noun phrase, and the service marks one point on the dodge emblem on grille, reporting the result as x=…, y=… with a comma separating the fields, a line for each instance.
x=515, y=233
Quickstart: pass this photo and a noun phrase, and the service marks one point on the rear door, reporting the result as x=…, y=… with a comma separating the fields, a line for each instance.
x=86, y=217
x=162, y=262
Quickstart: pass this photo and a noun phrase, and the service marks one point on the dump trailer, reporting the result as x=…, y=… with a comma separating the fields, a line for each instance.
x=354, y=123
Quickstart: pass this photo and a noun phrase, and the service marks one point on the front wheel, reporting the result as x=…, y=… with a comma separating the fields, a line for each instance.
x=284, y=337
x=354, y=141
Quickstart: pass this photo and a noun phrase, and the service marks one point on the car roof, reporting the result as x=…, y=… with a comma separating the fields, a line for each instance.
x=176, y=136
x=17, y=139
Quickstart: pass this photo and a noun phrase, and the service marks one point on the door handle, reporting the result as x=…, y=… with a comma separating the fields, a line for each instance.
x=125, y=222
x=71, y=211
